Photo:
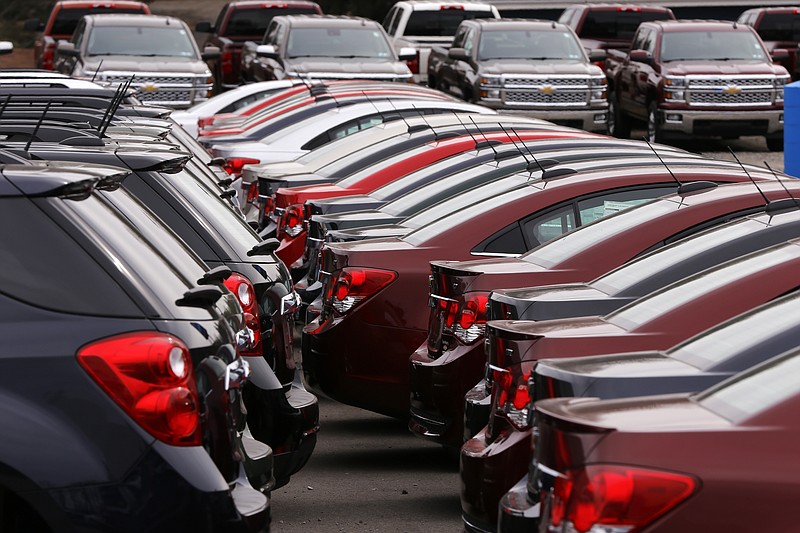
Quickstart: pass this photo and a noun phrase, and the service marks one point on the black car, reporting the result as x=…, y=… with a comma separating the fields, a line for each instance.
x=121, y=378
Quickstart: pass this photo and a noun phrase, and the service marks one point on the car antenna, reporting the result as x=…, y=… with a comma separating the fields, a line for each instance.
x=528, y=148
x=466, y=129
x=764, y=196
x=383, y=118
x=402, y=117
x=5, y=104
x=527, y=162
x=116, y=105
x=674, y=177
x=485, y=138
x=96, y=72
x=420, y=127
x=795, y=200
x=108, y=109
x=39, y=123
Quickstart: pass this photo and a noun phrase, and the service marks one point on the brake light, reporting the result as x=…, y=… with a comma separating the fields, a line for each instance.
x=629, y=8
x=292, y=220
x=252, y=192
x=226, y=61
x=511, y=396
x=269, y=205
x=615, y=496
x=445, y=7
x=354, y=285
x=245, y=293
x=204, y=122
x=234, y=165
x=470, y=324
x=149, y=375
x=48, y=54
x=413, y=64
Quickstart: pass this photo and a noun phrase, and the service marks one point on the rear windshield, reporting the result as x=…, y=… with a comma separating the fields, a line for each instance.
x=740, y=334
x=253, y=21
x=616, y=25
x=753, y=392
x=442, y=23
x=67, y=19
x=779, y=27
x=674, y=296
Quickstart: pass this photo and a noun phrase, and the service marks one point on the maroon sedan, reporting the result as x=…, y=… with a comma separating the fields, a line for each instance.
x=452, y=360
x=721, y=460
x=493, y=460
x=374, y=313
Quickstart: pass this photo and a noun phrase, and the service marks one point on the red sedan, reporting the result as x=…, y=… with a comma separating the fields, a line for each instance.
x=374, y=303
x=721, y=460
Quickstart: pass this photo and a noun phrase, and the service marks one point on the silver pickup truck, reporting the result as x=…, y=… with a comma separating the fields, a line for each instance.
x=159, y=53
x=536, y=68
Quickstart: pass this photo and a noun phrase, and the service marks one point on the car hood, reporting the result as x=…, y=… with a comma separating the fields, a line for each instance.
x=187, y=65
x=512, y=67
x=347, y=67
x=720, y=68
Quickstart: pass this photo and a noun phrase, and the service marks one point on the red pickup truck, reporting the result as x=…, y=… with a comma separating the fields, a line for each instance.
x=241, y=21
x=698, y=78
x=778, y=27
x=63, y=19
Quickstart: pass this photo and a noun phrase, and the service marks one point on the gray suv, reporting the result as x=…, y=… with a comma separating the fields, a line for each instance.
x=159, y=52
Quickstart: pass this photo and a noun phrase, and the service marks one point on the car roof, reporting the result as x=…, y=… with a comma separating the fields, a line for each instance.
x=325, y=21
x=282, y=5
x=428, y=5
x=75, y=4
x=514, y=23
x=698, y=25
x=620, y=7
x=149, y=21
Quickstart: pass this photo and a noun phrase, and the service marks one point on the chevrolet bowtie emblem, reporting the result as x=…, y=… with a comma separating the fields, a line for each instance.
x=150, y=88
x=732, y=89
x=548, y=89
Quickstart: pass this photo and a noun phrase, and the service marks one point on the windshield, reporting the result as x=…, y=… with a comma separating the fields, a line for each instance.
x=678, y=294
x=754, y=391
x=711, y=45
x=172, y=41
x=736, y=336
x=440, y=23
x=527, y=44
x=338, y=42
x=662, y=259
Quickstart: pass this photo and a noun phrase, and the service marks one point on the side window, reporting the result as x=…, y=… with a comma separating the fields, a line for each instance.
x=597, y=207
x=650, y=42
x=566, y=16
x=80, y=30
x=458, y=40
x=508, y=240
x=542, y=228
x=638, y=40
x=391, y=20
x=280, y=36
x=469, y=41
x=272, y=30
x=220, y=18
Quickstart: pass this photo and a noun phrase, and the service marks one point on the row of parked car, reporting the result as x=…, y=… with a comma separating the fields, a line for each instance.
x=473, y=273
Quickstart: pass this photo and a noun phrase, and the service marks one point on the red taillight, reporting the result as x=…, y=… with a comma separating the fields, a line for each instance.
x=252, y=192
x=149, y=375
x=204, y=122
x=354, y=285
x=48, y=55
x=234, y=165
x=616, y=496
x=413, y=64
x=292, y=220
x=470, y=324
x=226, y=62
x=446, y=7
x=269, y=205
x=245, y=293
x=511, y=396
x=629, y=8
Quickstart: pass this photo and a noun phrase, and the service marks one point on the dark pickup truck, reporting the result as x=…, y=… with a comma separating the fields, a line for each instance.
x=698, y=78
x=779, y=28
x=242, y=21
x=530, y=67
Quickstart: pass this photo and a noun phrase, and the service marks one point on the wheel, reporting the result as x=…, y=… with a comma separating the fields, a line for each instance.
x=775, y=144
x=618, y=124
x=654, y=133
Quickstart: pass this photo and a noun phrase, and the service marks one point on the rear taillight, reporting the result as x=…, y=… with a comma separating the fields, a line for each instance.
x=234, y=165
x=226, y=61
x=150, y=376
x=48, y=54
x=204, y=122
x=511, y=396
x=245, y=293
x=269, y=205
x=615, y=498
x=252, y=192
x=292, y=220
x=470, y=322
x=354, y=285
x=413, y=64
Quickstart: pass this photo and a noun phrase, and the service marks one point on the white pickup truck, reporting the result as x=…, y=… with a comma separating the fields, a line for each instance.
x=421, y=24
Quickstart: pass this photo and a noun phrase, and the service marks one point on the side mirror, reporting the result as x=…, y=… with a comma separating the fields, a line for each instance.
x=407, y=54
x=597, y=55
x=204, y=27
x=780, y=54
x=6, y=47
x=458, y=53
x=211, y=52
x=266, y=50
x=33, y=25
x=66, y=48
x=641, y=56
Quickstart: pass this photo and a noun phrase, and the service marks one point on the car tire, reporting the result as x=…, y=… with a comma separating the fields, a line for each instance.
x=775, y=144
x=619, y=125
x=654, y=133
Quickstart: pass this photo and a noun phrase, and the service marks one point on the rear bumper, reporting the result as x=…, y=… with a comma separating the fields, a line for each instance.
x=438, y=387
x=722, y=123
x=489, y=470
x=517, y=514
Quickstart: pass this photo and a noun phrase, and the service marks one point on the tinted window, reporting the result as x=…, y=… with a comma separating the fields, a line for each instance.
x=41, y=265
x=710, y=45
x=172, y=41
x=546, y=227
x=526, y=44
x=601, y=206
x=755, y=391
x=338, y=42
x=441, y=23
x=779, y=27
x=67, y=19
x=253, y=22
x=616, y=25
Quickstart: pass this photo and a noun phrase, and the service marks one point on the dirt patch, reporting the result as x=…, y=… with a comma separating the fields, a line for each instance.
x=19, y=58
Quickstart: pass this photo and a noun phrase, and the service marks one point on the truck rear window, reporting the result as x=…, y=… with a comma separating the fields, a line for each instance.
x=253, y=22
x=440, y=23
x=67, y=19
x=780, y=27
x=621, y=25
